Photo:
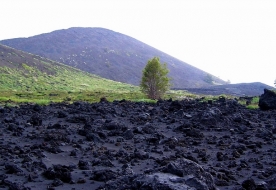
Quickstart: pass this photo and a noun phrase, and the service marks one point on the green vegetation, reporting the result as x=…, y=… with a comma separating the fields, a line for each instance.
x=155, y=81
x=253, y=104
x=33, y=79
x=28, y=68
x=27, y=78
x=67, y=84
x=29, y=85
x=209, y=79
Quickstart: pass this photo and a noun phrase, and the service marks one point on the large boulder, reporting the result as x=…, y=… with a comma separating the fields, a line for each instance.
x=267, y=100
x=181, y=174
x=196, y=176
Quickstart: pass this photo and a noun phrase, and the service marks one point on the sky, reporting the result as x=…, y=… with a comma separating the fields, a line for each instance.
x=234, y=40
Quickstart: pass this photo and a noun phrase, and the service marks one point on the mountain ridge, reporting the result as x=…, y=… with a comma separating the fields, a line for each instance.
x=239, y=89
x=109, y=54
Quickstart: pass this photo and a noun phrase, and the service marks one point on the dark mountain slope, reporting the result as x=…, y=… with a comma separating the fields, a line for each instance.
x=109, y=54
x=11, y=58
x=240, y=89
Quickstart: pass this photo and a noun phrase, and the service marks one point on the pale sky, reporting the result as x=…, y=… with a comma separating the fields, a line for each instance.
x=231, y=39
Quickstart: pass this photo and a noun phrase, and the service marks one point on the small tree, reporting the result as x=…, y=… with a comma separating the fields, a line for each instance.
x=155, y=81
x=209, y=79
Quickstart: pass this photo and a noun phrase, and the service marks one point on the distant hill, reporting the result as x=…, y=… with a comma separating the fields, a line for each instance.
x=240, y=89
x=25, y=72
x=108, y=54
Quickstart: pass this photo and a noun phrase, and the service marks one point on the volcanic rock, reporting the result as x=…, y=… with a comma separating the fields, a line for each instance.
x=136, y=145
x=267, y=100
x=196, y=176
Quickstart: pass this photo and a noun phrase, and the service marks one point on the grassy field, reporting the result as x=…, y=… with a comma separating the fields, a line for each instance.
x=67, y=84
x=28, y=78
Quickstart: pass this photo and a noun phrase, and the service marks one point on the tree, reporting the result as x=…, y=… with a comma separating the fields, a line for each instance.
x=209, y=79
x=155, y=81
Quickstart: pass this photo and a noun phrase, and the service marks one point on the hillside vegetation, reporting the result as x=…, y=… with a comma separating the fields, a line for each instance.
x=110, y=55
x=25, y=77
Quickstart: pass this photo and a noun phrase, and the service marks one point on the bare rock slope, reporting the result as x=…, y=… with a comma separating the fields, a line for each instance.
x=108, y=54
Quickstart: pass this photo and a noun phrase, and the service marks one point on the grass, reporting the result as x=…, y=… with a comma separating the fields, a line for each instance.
x=69, y=85
x=206, y=98
x=46, y=97
x=253, y=104
x=132, y=93
x=46, y=81
x=27, y=78
x=12, y=98
x=252, y=107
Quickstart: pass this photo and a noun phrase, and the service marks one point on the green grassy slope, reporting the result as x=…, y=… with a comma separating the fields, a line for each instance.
x=26, y=77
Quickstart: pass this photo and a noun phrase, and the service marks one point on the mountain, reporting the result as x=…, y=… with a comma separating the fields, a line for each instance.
x=239, y=89
x=109, y=54
x=25, y=72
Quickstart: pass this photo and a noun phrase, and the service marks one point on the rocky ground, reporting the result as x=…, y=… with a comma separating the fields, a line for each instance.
x=188, y=144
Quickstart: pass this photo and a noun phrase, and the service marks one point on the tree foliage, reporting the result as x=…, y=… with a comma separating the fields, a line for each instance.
x=209, y=79
x=155, y=81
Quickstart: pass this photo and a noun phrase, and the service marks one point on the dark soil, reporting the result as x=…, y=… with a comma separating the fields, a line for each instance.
x=126, y=145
